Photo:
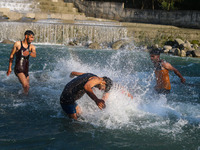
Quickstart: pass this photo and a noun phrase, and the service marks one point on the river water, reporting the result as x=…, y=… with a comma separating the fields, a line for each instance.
x=148, y=122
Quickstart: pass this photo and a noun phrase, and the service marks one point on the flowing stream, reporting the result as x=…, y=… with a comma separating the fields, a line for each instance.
x=149, y=121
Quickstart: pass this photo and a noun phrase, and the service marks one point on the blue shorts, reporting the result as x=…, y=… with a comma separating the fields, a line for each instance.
x=69, y=108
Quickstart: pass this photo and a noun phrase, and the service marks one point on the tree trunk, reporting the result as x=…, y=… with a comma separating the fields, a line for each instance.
x=133, y=2
x=142, y=4
x=168, y=6
x=153, y=4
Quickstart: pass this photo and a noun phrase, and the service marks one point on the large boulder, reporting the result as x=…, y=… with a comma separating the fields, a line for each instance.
x=119, y=44
x=177, y=52
x=167, y=48
x=6, y=41
x=186, y=45
x=95, y=45
x=72, y=43
x=183, y=53
x=179, y=41
x=13, y=15
x=196, y=53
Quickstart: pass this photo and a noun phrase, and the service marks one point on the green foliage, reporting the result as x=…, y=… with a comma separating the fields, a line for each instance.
x=195, y=42
x=164, y=5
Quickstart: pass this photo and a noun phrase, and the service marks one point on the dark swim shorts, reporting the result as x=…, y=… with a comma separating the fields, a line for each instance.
x=69, y=108
x=22, y=67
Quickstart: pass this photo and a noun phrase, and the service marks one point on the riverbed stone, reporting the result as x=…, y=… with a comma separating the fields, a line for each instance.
x=6, y=41
x=186, y=45
x=118, y=44
x=196, y=53
x=95, y=45
x=179, y=41
x=177, y=52
x=167, y=47
x=183, y=53
x=72, y=43
x=13, y=15
x=166, y=50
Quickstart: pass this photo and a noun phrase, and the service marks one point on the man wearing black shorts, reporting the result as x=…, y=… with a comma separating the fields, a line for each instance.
x=75, y=89
x=22, y=50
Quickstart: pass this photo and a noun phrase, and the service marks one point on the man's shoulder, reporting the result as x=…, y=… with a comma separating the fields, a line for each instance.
x=167, y=65
x=18, y=43
x=32, y=46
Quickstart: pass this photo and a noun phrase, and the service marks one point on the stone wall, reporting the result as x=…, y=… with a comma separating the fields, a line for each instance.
x=116, y=11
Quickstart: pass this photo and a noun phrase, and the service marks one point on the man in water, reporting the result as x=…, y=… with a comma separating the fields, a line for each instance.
x=22, y=50
x=162, y=72
x=77, y=87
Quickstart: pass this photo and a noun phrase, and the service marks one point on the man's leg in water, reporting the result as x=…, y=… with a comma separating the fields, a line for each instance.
x=75, y=115
x=24, y=81
x=78, y=110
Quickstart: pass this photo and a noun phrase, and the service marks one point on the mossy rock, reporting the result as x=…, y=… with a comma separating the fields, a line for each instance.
x=195, y=42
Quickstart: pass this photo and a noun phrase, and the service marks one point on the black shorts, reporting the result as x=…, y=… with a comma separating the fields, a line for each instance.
x=22, y=66
x=69, y=108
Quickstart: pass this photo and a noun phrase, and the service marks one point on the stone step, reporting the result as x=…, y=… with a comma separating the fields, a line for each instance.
x=56, y=7
x=17, y=1
x=17, y=5
x=39, y=10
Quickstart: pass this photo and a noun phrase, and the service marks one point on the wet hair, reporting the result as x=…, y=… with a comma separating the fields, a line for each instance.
x=155, y=51
x=29, y=32
x=109, y=83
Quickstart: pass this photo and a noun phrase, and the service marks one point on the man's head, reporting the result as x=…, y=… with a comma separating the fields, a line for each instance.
x=155, y=55
x=29, y=36
x=109, y=83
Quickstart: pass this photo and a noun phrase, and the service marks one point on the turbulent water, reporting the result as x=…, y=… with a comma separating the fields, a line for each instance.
x=148, y=122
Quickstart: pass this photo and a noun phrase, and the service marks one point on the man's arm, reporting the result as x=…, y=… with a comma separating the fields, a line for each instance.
x=32, y=51
x=88, y=88
x=14, y=49
x=105, y=96
x=170, y=67
x=74, y=73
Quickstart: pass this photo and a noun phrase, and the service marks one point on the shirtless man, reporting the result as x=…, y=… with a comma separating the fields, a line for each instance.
x=162, y=69
x=77, y=87
x=22, y=50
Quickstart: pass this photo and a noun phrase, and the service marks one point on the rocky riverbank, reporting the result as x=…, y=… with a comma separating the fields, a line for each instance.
x=180, y=48
x=176, y=47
